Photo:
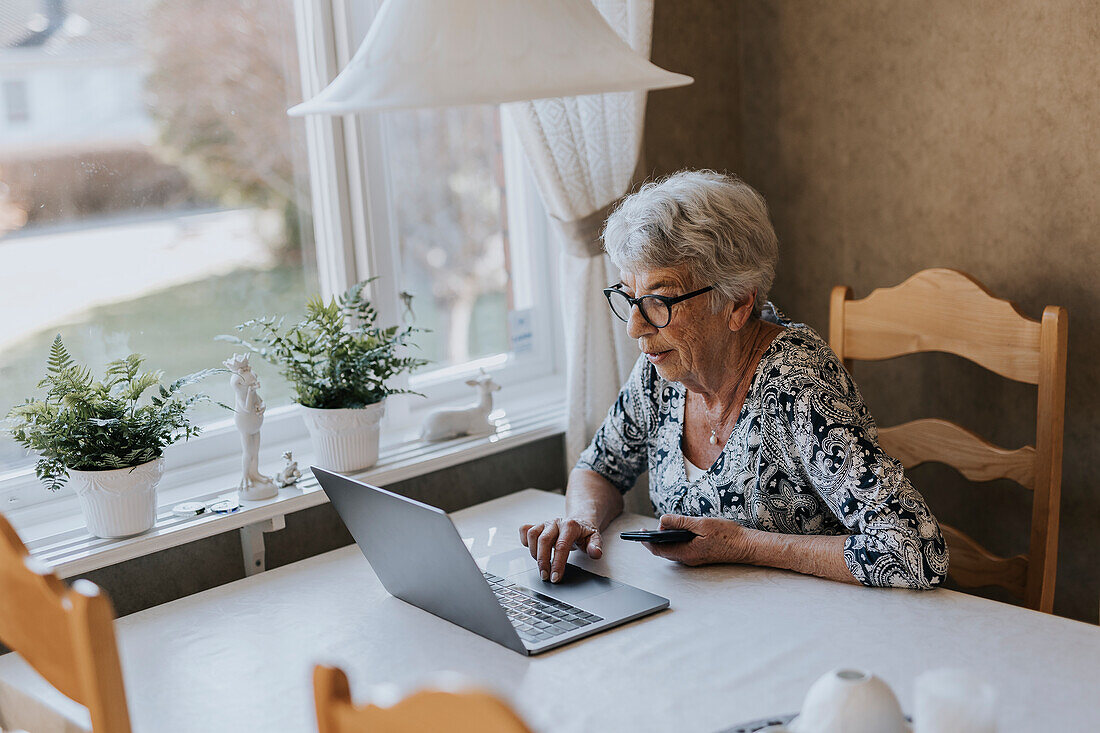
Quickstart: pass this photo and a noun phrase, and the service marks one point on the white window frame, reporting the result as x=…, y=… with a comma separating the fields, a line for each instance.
x=354, y=241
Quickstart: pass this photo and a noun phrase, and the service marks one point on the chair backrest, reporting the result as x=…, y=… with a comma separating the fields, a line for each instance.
x=949, y=311
x=66, y=634
x=428, y=710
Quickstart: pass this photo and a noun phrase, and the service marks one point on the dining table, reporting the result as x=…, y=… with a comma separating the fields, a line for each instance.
x=737, y=643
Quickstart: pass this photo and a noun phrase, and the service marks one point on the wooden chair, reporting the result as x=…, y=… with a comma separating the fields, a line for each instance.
x=429, y=710
x=66, y=634
x=949, y=311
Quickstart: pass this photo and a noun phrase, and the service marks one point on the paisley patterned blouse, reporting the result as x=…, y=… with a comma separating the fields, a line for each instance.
x=803, y=458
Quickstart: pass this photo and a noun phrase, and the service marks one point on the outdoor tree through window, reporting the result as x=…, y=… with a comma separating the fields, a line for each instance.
x=446, y=168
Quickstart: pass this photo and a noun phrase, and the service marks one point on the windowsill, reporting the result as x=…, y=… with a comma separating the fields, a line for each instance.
x=55, y=532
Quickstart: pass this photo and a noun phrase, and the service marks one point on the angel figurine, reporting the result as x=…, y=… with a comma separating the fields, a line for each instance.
x=249, y=416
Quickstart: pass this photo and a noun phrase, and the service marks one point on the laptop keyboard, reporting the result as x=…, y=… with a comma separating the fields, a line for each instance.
x=537, y=617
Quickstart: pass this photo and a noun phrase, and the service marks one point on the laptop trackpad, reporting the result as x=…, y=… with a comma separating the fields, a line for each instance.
x=577, y=584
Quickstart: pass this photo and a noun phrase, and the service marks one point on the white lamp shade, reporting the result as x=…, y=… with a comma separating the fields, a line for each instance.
x=438, y=53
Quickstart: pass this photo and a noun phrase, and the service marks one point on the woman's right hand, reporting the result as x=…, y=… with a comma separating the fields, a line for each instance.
x=550, y=543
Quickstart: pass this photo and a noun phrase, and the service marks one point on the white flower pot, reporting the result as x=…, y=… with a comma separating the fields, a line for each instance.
x=119, y=502
x=344, y=440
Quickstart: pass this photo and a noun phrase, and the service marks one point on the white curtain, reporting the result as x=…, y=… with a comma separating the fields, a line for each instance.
x=584, y=152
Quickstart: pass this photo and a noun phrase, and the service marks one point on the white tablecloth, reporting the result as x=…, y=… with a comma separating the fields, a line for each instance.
x=738, y=643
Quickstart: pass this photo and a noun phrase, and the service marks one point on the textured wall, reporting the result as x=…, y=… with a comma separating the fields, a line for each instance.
x=694, y=126
x=889, y=137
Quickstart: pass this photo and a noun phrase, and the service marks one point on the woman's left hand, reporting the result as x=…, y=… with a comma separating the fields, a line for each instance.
x=719, y=540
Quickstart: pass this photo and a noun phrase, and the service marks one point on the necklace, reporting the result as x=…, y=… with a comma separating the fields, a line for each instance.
x=759, y=343
x=717, y=424
x=743, y=384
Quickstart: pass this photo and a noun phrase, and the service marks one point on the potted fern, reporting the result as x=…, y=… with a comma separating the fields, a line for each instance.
x=102, y=436
x=339, y=363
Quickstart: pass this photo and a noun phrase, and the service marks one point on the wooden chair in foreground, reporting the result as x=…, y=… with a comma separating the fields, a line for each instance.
x=66, y=634
x=949, y=311
x=429, y=710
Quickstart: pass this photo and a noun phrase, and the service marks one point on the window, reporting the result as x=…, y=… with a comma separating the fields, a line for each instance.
x=17, y=107
x=448, y=196
x=160, y=206
x=182, y=200
x=467, y=254
x=452, y=218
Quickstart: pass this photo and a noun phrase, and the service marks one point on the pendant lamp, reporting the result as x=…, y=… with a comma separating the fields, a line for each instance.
x=438, y=53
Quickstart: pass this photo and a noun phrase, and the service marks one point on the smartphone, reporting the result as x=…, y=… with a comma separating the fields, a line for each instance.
x=659, y=536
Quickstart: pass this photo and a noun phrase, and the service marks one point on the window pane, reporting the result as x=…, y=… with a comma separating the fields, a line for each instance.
x=155, y=195
x=447, y=178
x=16, y=106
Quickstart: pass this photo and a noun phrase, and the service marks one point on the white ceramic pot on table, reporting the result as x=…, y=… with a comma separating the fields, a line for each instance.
x=848, y=701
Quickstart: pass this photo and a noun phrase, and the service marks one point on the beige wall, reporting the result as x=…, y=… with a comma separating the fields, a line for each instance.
x=892, y=136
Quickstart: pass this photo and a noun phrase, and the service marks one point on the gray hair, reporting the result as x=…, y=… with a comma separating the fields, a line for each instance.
x=715, y=225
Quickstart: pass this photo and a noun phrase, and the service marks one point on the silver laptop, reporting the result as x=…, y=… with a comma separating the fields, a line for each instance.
x=420, y=558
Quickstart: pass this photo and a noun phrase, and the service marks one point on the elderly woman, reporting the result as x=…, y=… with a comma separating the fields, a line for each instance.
x=754, y=435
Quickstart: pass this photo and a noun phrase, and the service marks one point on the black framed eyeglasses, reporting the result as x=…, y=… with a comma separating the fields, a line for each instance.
x=655, y=309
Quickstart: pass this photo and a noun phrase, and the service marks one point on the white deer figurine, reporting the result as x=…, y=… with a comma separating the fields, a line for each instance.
x=471, y=420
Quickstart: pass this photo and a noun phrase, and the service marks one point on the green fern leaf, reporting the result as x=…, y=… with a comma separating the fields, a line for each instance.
x=59, y=358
